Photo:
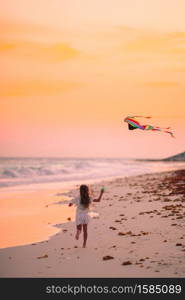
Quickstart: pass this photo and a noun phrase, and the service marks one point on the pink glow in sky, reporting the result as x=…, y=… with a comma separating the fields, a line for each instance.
x=72, y=70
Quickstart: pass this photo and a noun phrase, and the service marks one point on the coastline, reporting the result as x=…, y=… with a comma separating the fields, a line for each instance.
x=140, y=226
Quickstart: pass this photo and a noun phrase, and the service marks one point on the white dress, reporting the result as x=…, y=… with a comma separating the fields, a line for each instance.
x=82, y=213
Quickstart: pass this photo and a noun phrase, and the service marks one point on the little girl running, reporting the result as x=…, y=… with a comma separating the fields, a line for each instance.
x=82, y=211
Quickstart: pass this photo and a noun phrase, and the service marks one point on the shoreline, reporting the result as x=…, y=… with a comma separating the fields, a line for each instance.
x=48, y=192
x=167, y=166
x=140, y=225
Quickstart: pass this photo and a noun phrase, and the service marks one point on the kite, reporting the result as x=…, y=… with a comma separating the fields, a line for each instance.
x=133, y=124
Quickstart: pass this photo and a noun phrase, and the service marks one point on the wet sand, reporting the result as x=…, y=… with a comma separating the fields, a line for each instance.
x=138, y=232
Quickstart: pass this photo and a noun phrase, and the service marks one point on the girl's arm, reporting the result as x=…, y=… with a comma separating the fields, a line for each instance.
x=100, y=196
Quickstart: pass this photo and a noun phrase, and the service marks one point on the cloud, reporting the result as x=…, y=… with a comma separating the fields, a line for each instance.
x=11, y=28
x=35, y=42
x=161, y=84
x=56, y=52
x=115, y=33
x=6, y=46
x=176, y=69
x=35, y=88
x=157, y=43
x=132, y=45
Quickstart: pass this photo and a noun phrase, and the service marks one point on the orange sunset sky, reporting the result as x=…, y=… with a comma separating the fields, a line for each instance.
x=71, y=70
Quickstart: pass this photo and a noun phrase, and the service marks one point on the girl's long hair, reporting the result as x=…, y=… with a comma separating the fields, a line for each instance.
x=84, y=195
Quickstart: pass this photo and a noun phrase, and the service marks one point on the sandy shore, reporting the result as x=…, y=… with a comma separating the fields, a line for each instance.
x=139, y=232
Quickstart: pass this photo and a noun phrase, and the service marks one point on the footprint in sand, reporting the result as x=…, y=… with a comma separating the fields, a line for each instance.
x=43, y=256
x=107, y=257
x=113, y=228
x=114, y=246
x=126, y=263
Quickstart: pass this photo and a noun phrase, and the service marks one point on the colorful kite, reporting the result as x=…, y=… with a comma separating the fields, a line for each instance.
x=133, y=124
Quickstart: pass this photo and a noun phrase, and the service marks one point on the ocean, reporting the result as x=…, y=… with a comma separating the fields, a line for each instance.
x=23, y=171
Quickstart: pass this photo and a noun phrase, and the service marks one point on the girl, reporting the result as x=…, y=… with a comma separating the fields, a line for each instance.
x=82, y=217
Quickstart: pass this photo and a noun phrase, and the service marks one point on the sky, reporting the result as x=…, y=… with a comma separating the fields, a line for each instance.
x=73, y=69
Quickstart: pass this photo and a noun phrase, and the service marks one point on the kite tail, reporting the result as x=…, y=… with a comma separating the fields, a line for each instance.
x=161, y=129
x=171, y=133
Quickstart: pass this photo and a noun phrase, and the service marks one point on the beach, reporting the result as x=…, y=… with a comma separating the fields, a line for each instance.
x=137, y=230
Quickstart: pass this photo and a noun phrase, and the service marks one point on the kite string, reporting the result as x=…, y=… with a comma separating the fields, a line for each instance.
x=146, y=117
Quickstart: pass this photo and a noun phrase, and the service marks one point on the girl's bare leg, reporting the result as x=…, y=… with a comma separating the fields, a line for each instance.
x=85, y=235
x=78, y=231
